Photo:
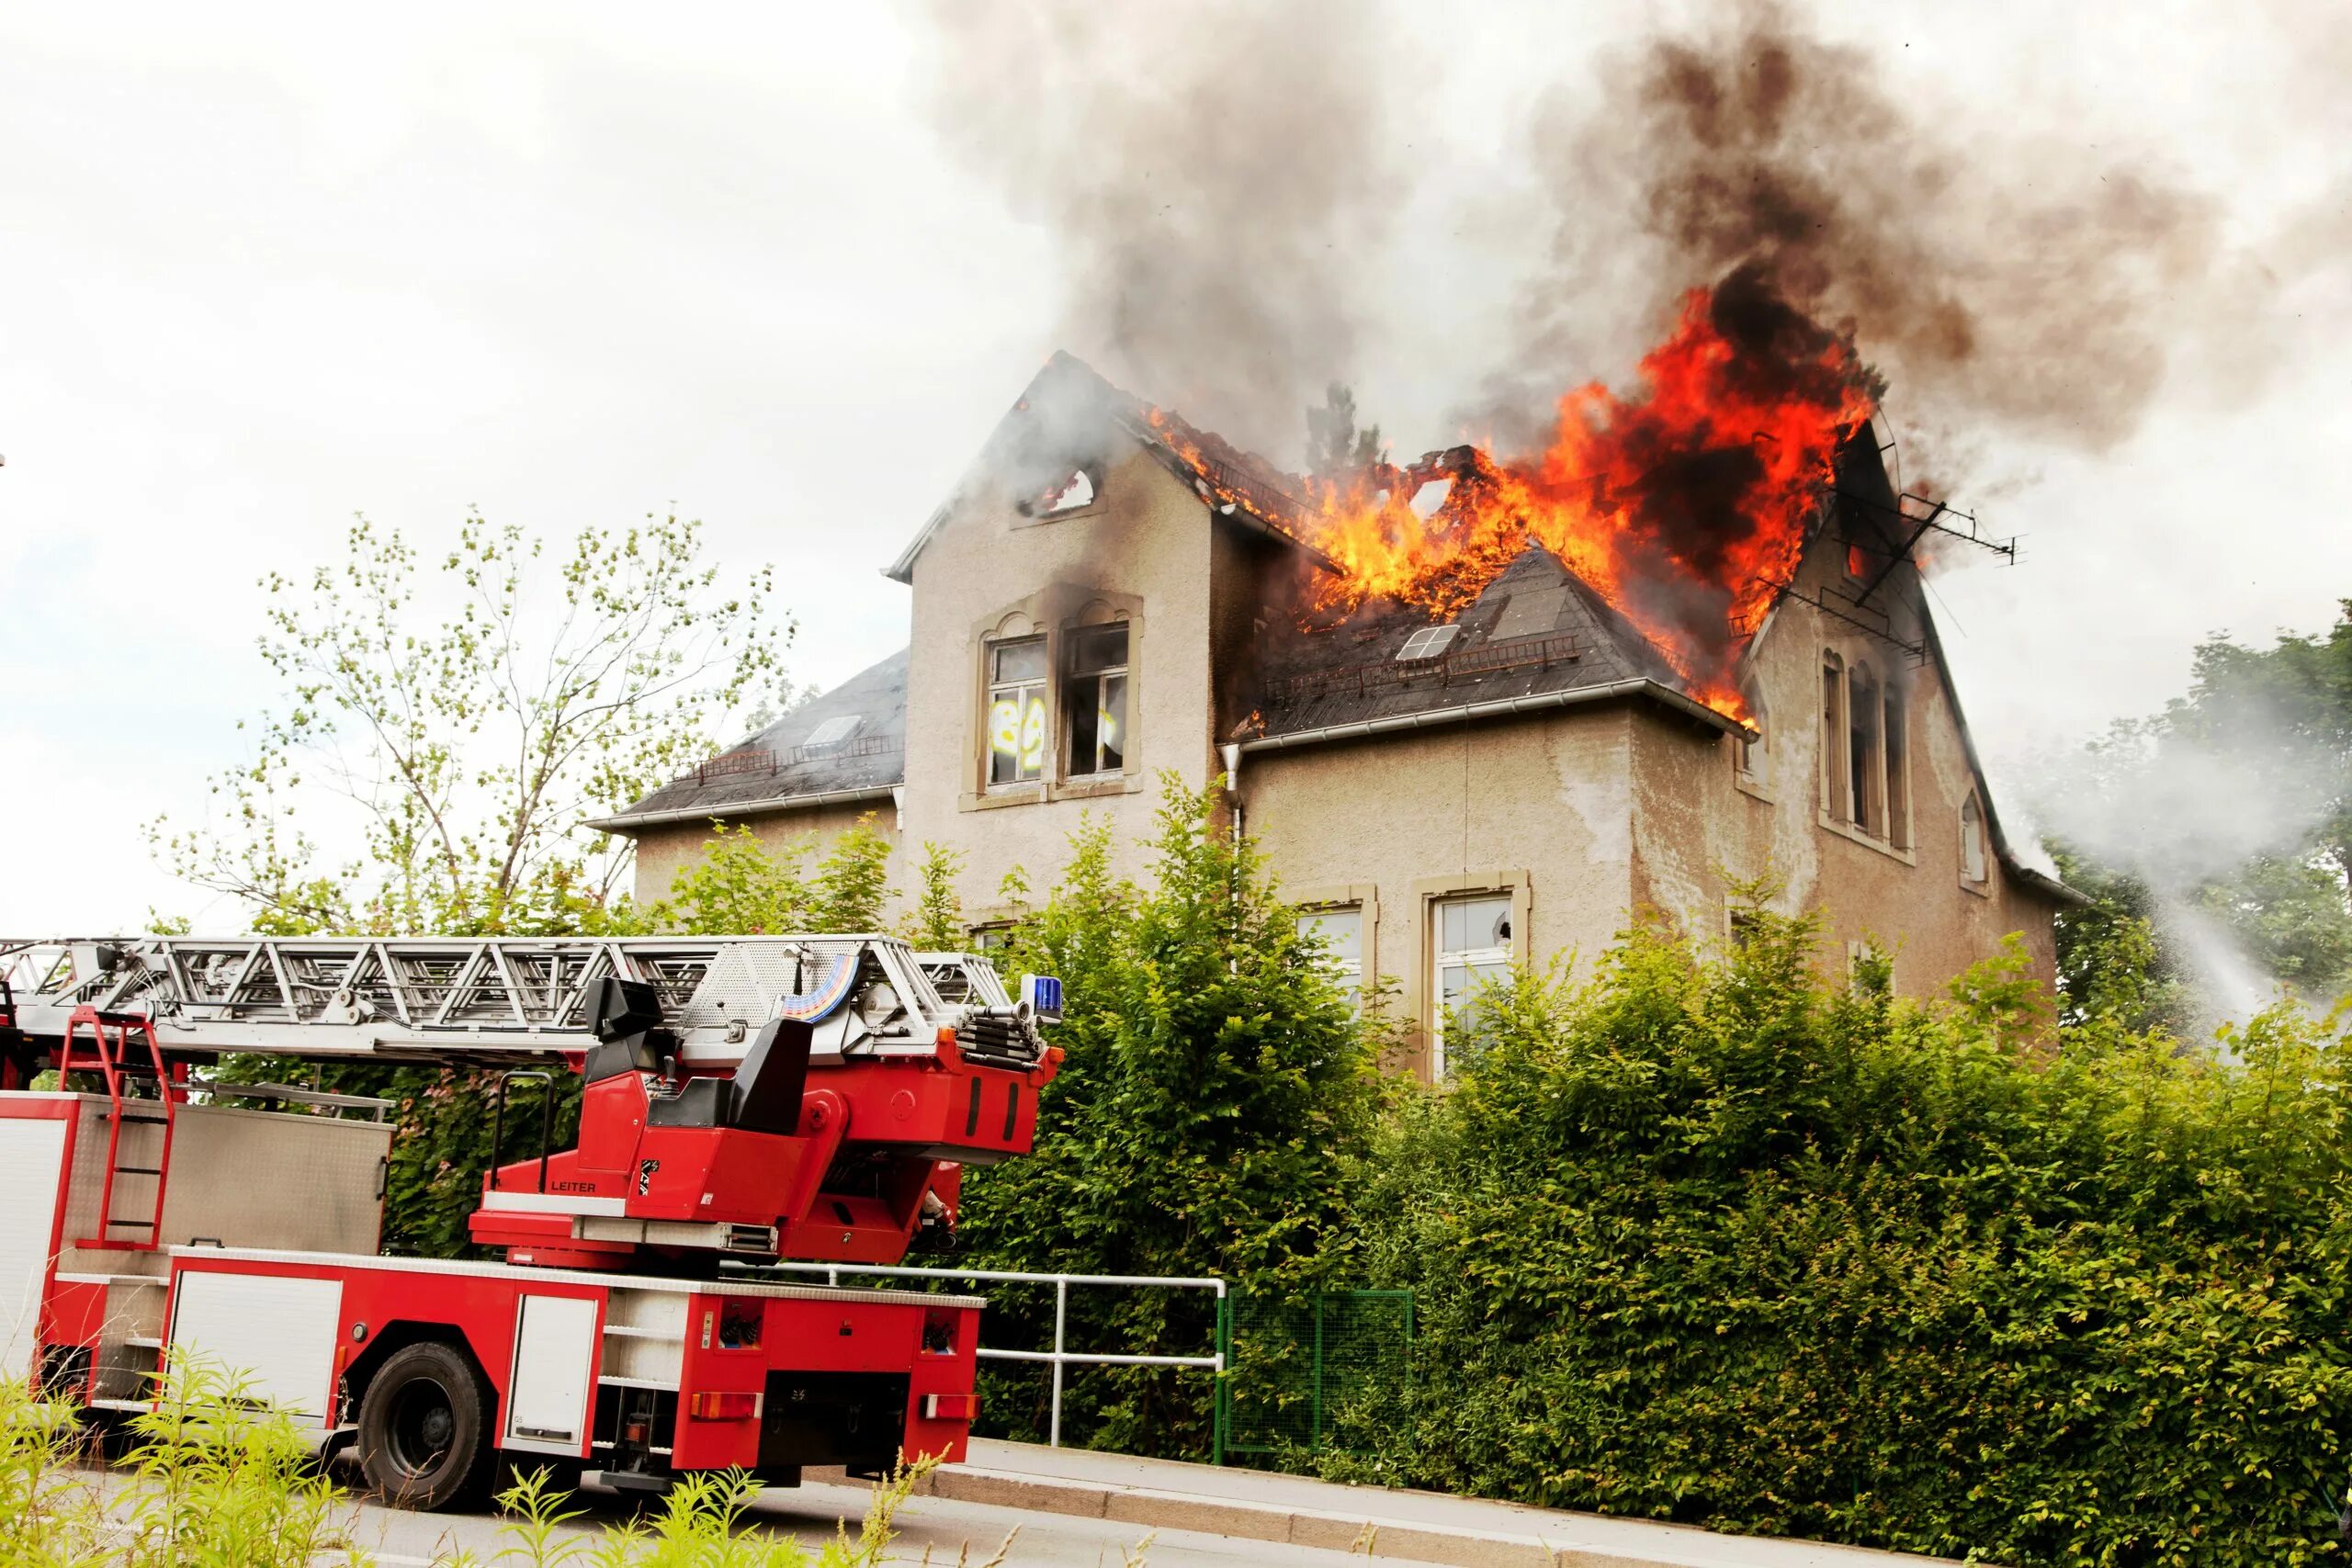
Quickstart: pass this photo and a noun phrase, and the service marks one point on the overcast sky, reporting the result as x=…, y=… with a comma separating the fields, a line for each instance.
x=569, y=265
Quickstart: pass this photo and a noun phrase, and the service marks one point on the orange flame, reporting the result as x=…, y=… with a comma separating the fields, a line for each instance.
x=1684, y=507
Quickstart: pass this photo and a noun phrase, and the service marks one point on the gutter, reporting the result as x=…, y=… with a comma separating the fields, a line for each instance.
x=1575, y=696
x=628, y=821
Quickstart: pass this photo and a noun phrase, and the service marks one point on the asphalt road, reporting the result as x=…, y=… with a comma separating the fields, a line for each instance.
x=931, y=1529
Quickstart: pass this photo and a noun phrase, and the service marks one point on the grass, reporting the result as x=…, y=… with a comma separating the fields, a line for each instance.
x=211, y=1478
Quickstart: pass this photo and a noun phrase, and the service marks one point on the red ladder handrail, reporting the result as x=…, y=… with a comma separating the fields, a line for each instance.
x=109, y=1061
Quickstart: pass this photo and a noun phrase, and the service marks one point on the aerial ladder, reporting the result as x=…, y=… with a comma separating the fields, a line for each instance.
x=744, y=1101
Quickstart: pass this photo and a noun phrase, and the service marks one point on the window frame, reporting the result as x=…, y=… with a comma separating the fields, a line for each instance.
x=1072, y=683
x=1347, y=973
x=1865, y=708
x=1973, y=835
x=996, y=687
x=1864, y=776
x=1834, y=771
x=1441, y=958
x=1432, y=642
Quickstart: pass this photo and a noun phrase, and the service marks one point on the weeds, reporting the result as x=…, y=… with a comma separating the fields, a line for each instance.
x=216, y=1478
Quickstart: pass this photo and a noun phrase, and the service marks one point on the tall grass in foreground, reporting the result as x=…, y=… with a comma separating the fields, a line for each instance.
x=212, y=1478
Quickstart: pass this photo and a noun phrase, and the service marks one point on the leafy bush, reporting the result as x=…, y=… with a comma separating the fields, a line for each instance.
x=1213, y=1088
x=1707, y=1239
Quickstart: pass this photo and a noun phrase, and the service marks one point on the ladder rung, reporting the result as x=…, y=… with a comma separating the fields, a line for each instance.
x=137, y=1170
x=142, y=1225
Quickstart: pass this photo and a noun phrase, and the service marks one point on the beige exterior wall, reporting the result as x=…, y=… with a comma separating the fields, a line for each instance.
x=663, y=851
x=1541, y=808
x=1140, y=552
x=1699, y=823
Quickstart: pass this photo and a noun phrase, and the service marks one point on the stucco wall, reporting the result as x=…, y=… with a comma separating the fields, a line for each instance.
x=1539, y=807
x=1697, y=824
x=1140, y=552
x=662, y=851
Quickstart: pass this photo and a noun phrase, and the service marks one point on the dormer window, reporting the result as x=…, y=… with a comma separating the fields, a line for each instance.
x=1427, y=643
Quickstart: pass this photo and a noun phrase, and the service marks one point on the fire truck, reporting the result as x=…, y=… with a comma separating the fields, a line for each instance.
x=744, y=1101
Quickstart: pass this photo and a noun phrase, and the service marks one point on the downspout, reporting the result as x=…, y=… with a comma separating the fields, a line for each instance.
x=1231, y=752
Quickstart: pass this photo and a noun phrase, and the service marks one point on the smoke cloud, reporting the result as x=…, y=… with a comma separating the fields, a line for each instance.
x=1999, y=280
x=1221, y=179
x=1210, y=174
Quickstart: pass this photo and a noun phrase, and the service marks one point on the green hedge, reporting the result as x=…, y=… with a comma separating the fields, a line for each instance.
x=1714, y=1242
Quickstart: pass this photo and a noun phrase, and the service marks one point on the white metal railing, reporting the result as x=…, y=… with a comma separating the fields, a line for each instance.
x=1060, y=1356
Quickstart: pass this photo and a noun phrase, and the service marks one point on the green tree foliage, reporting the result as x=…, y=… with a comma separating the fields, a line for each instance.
x=1213, y=1088
x=476, y=718
x=935, y=924
x=2236, y=807
x=741, y=886
x=1708, y=1240
x=1334, y=444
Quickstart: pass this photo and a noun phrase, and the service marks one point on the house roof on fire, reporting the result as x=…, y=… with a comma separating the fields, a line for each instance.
x=1536, y=636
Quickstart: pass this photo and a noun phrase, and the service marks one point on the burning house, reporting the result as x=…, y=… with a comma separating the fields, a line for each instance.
x=1474, y=710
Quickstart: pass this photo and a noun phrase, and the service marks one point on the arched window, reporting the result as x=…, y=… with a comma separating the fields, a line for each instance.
x=1971, y=838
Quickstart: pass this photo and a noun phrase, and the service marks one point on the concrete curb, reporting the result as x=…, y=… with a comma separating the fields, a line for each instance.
x=1364, y=1532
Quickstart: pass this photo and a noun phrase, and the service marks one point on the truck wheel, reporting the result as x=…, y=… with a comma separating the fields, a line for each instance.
x=424, y=1427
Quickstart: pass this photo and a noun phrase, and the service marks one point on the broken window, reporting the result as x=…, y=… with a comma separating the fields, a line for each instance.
x=1340, y=929
x=1017, y=711
x=1094, y=700
x=1971, y=838
x=1427, y=643
x=1865, y=791
x=1073, y=491
x=1472, y=948
x=1834, y=779
x=1755, y=762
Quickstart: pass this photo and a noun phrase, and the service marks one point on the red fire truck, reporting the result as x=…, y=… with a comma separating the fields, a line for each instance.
x=746, y=1100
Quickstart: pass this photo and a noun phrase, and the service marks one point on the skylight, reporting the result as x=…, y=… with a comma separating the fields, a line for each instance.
x=1427, y=643
x=833, y=731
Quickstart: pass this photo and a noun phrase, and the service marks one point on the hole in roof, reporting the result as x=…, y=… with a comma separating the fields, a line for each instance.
x=834, y=730
x=1427, y=643
x=1431, y=496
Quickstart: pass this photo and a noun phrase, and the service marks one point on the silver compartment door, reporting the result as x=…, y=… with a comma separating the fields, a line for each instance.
x=555, y=1362
x=32, y=1161
x=275, y=1333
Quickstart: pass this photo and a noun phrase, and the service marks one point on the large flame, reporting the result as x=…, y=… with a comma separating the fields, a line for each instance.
x=1685, y=504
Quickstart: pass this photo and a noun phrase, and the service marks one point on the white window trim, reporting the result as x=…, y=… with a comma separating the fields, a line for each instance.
x=996, y=689
x=1349, y=975
x=1442, y=958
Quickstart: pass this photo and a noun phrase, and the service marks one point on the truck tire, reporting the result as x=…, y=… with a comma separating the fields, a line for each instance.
x=424, y=1437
